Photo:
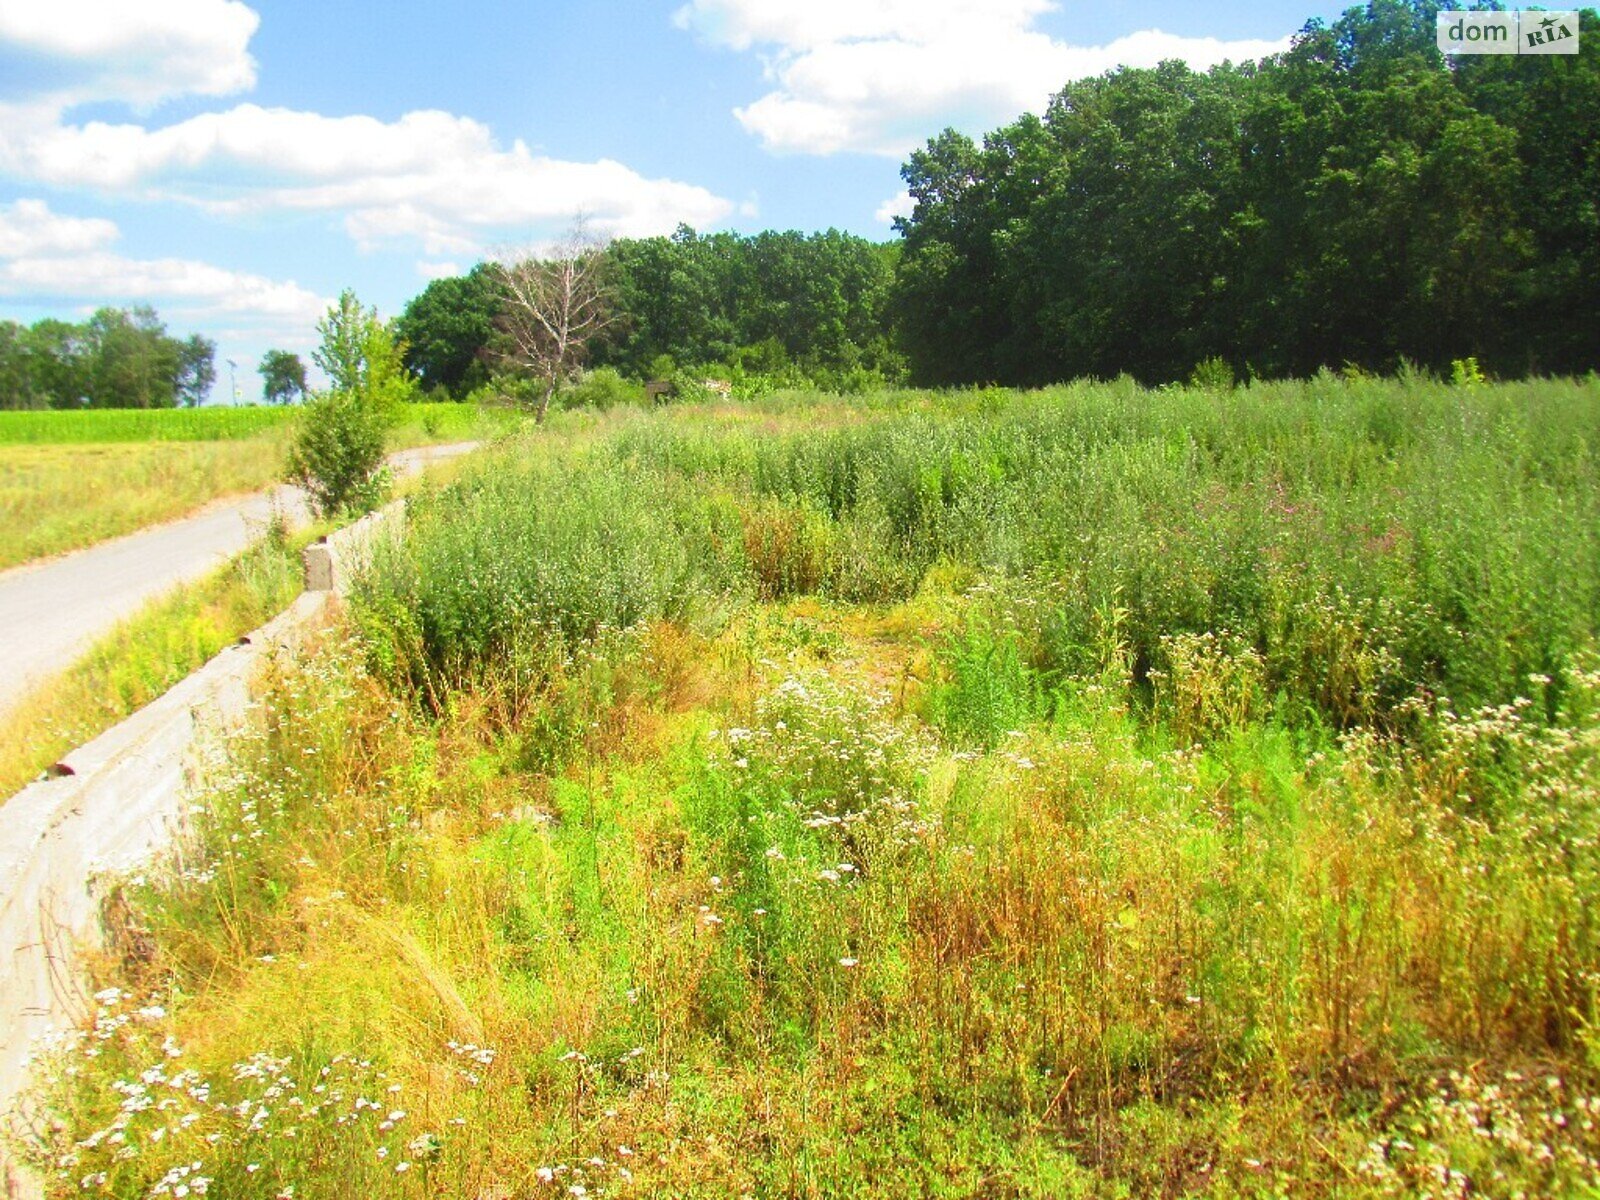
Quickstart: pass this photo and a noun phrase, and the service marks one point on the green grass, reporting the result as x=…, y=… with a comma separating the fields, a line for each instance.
x=59, y=498
x=69, y=480
x=145, y=656
x=976, y=794
x=139, y=425
x=425, y=422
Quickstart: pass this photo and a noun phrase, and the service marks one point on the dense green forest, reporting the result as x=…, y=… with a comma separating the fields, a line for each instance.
x=816, y=306
x=118, y=358
x=1356, y=200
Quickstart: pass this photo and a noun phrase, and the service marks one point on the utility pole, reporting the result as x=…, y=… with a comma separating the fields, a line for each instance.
x=233, y=379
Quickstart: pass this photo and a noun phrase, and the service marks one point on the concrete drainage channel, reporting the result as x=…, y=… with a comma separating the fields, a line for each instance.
x=116, y=803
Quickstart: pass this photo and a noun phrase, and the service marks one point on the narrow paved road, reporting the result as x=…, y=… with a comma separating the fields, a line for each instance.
x=51, y=612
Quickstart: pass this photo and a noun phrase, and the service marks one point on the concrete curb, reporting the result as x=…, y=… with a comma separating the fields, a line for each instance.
x=333, y=562
x=117, y=802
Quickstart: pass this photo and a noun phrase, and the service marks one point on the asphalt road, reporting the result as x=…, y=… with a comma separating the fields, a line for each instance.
x=51, y=612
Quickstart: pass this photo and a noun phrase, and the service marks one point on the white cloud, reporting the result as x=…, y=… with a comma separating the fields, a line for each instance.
x=437, y=270
x=798, y=26
x=135, y=51
x=880, y=76
x=29, y=228
x=111, y=277
x=429, y=177
x=898, y=205
x=46, y=254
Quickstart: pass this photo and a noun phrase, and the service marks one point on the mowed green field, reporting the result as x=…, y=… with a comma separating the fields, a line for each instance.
x=139, y=425
x=1091, y=792
x=70, y=479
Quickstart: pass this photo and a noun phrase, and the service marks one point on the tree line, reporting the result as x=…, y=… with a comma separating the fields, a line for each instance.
x=1355, y=201
x=812, y=305
x=118, y=358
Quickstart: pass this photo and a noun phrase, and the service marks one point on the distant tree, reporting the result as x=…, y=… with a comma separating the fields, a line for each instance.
x=338, y=451
x=949, y=318
x=130, y=360
x=819, y=301
x=197, y=369
x=554, y=307
x=16, y=367
x=118, y=358
x=57, y=362
x=283, y=377
x=447, y=327
x=345, y=331
x=1355, y=199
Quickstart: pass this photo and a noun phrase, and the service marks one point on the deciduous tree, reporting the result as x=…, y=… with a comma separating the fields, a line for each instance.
x=447, y=327
x=197, y=369
x=283, y=377
x=553, y=307
x=338, y=451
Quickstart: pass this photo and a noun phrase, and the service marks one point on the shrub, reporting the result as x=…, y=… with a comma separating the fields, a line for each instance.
x=338, y=453
x=985, y=691
x=1212, y=375
x=602, y=388
x=788, y=547
x=1465, y=372
x=338, y=450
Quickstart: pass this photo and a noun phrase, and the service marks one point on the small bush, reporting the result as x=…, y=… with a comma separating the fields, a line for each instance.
x=1465, y=372
x=602, y=388
x=1212, y=375
x=338, y=453
x=1211, y=683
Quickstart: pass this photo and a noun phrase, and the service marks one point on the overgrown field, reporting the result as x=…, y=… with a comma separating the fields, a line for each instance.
x=1094, y=792
x=70, y=479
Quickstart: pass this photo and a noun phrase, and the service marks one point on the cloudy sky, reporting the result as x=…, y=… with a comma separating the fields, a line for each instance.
x=237, y=165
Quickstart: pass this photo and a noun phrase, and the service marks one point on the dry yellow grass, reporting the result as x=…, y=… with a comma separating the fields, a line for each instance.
x=58, y=498
x=65, y=496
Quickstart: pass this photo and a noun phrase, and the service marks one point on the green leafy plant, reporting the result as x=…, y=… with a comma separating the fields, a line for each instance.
x=339, y=448
x=1212, y=375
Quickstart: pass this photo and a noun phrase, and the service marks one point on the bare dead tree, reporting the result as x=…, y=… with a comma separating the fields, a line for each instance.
x=553, y=307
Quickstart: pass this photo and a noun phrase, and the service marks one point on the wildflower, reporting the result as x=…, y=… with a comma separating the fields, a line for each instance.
x=847, y=963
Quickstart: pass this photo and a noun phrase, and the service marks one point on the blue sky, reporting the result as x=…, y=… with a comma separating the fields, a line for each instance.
x=238, y=165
